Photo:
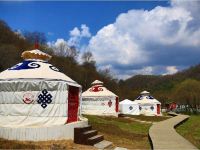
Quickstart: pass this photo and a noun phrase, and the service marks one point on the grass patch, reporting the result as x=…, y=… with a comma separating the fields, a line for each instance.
x=191, y=130
x=150, y=118
x=121, y=131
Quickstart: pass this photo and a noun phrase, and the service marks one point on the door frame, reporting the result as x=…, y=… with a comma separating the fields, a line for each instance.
x=76, y=90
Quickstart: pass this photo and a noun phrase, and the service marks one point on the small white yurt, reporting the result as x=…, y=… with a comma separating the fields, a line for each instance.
x=37, y=101
x=148, y=105
x=98, y=100
x=129, y=107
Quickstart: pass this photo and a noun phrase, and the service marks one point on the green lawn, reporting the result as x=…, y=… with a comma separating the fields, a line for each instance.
x=150, y=118
x=122, y=132
x=191, y=130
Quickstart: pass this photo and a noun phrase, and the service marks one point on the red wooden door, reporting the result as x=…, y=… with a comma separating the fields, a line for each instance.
x=158, y=108
x=117, y=104
x=73, y=103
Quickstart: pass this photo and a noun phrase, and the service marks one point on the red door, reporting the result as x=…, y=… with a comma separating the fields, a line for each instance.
x=73, y=103
x=158, y=108
x=117, y=104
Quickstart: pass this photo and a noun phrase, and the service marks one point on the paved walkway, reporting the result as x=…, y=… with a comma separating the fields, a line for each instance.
x=164, y=136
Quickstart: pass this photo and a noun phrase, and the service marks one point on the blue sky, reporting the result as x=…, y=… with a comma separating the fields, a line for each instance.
x=138, y=37
x=61, y=17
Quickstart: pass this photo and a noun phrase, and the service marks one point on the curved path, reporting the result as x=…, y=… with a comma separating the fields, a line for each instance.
x=164, y=136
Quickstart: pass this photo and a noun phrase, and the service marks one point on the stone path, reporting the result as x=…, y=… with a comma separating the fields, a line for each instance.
x=164, y=136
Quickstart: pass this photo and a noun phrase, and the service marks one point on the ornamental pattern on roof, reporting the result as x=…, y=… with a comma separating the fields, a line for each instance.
x=30, y=65
x=25, y=65
x=96, y=89
x=143, y=97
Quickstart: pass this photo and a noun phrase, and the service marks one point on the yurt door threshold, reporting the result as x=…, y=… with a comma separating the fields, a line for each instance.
x=73, y=97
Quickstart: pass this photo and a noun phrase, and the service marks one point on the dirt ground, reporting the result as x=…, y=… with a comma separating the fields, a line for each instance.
x=52, y=145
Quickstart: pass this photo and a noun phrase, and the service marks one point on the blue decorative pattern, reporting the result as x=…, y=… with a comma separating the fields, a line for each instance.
x=152, y=108
x=139, y=98
x=130, y=108
x=54, y=68
x=147, y=97
x=25, y=65
x=44, y=98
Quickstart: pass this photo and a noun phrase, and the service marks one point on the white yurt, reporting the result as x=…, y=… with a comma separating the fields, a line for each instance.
x=37, y=101
x=98, y=100
x=148, y=105
x=129, y=107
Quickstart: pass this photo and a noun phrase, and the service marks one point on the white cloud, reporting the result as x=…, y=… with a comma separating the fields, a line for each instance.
x=142, y=38
x=76, y=35
x=171, y=70
x=85, y=31
x=75, y=32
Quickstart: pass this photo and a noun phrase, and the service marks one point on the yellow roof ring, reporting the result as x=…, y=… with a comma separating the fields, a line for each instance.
x=36, y=55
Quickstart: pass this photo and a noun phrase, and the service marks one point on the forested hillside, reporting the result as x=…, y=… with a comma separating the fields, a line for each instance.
x=183, y=87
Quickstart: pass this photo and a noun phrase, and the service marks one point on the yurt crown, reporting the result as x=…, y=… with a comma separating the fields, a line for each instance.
x=36, y=55
x=144, y=93
x=97, y=82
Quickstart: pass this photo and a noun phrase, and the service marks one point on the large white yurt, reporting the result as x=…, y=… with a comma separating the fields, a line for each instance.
x=98, y=100
x=37, y=101
x=129, y=107
x=148, y=105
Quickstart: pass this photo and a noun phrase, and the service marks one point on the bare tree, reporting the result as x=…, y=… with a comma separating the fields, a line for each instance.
x=36, y=36
x=87, y=57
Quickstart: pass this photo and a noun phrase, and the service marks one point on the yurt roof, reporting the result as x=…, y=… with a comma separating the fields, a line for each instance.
x=97, y=91
x=143, y=98
x=35, y=66
x=127, y=101
x=147, y=101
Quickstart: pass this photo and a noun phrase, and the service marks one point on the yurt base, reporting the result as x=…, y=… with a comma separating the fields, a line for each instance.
x=58, y=132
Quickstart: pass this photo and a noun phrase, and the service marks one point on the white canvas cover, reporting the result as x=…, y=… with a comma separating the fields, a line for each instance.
x=129, y=107
x=99, y=105
x=34, y=93
x=98, y=100
x=147, y=104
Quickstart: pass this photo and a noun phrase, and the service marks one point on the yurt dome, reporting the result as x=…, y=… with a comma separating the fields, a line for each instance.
x=98, y=100
x=148, y=105
x=129, y=107
x=35, y=66
x=35, y=95
x=97, y=90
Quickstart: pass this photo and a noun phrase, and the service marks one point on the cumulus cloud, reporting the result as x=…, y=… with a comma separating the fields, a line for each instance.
x=77, y=34
x=142, y=41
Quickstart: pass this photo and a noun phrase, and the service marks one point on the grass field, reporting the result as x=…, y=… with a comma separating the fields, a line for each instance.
x=122, y=132
x=150, y=118
x=191, y=130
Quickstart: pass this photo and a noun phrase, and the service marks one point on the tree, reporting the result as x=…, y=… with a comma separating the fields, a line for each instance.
x=61, y=48
x=88, y=58
x=33, y=37
x=187, y=92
